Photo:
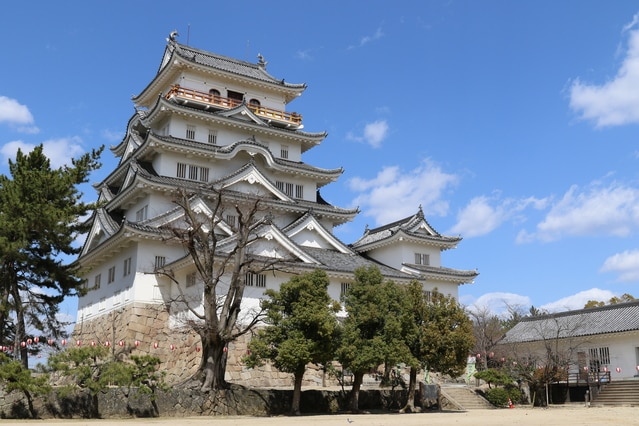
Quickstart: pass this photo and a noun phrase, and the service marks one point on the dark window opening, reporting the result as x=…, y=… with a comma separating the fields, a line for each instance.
x=235, y=95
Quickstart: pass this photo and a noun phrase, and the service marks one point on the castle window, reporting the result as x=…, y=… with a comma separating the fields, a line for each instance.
x=102, y=305
x=127, y=267
x=141, y=214
x=212, y=137
x=422, y=259
x=214, y=93
x=190, y=132
x=181, y=170
x=428, y=295
x=96, y=281
x=159, y=262
x=190, y=279
x=235, y=95
x=284, y=151
x=194, y=172
x=254, y=102
x=230, y=220
x=111, y=275
x=255, y=280
x=344, y=287
x=299, y=191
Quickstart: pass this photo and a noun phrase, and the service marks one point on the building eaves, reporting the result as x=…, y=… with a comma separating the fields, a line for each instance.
x=617, y=318
x=348, y=263
x=448, y=274
x=233, y=66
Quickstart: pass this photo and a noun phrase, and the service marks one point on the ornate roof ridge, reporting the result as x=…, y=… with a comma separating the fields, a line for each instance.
x=231, y=65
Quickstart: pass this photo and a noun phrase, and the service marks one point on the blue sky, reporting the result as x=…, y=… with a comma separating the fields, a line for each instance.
x=514, y=124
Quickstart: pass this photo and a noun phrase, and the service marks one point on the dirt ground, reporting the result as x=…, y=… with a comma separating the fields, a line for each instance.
x=520, y=416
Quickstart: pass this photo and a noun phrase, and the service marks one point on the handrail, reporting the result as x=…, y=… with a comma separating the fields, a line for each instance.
x=228, y=103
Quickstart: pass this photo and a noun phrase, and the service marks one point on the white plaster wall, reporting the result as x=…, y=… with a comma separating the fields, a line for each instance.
x=396, y=254
x=120, y=291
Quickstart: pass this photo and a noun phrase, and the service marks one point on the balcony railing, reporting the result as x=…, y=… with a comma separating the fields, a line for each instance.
x=287, y=119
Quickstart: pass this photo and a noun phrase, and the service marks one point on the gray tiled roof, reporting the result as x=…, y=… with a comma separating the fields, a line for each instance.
x=615, y=318
x=403, y=225
x=344, y=262
x=231, y=65
x=458, y=273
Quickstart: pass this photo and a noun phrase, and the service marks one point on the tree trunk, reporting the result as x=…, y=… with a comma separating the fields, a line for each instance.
x=410, y=403
x=358, y=378
x=297, y=392
x=20, y=331
x=213, y=364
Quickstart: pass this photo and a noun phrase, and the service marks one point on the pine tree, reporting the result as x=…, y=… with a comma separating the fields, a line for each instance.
x=301, y=328
x=372, y=333
x=40, y=218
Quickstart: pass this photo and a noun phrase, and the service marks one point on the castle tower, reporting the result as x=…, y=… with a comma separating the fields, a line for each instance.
x=208, y=121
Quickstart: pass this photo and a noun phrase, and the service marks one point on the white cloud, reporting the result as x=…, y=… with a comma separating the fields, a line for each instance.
x=611, y=210
x=484, y=214
x=403, y=191
x=374, y=133
x=615, y=102
x=498, y=303
x=578, y=301
x=112, y=136
x=369, y=38
x=626, y=264
x=16, y=114
x=59, y=151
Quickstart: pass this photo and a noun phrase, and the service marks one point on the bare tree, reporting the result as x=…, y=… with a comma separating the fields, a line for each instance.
x=487, y=330
x=548, y=353
x=220, y=249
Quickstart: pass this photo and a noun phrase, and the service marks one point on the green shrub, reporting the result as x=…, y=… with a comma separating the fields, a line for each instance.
x=499, y=396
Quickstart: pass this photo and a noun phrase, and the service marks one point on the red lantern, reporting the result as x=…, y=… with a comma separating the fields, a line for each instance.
x=121, y=343
x=137, y=343
x=29, y=341
x=605, y=369
x=492, y=354
x=79, y=343
x=225, y=349
x=585, y=368
x=64, y=342
x=92, y=343
x=155, y=345
x=197, y=349
x=36, y=339
x=478, y=356
x=107, y=343
x=23, y=344
x=172, y=346
x=50, y=342
x=618, y=370
x=503, y=359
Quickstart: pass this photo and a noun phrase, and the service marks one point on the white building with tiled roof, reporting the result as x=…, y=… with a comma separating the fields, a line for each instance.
x=594, y=343
x=207, y=122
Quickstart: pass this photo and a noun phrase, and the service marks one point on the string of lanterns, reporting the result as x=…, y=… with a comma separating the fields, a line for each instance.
x=585, y=368
x=93, y=343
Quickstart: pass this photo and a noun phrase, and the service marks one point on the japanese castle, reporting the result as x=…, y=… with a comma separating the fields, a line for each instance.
x=205, y=122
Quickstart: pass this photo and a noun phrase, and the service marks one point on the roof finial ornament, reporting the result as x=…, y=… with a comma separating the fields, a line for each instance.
x=261, y=62
x=174, y=34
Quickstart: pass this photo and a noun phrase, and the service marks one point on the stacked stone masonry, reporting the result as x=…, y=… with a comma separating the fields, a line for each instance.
x=143, y=330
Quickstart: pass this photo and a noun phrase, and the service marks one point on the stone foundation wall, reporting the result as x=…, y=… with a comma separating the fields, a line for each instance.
x=179, y=349
x=121, y=403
